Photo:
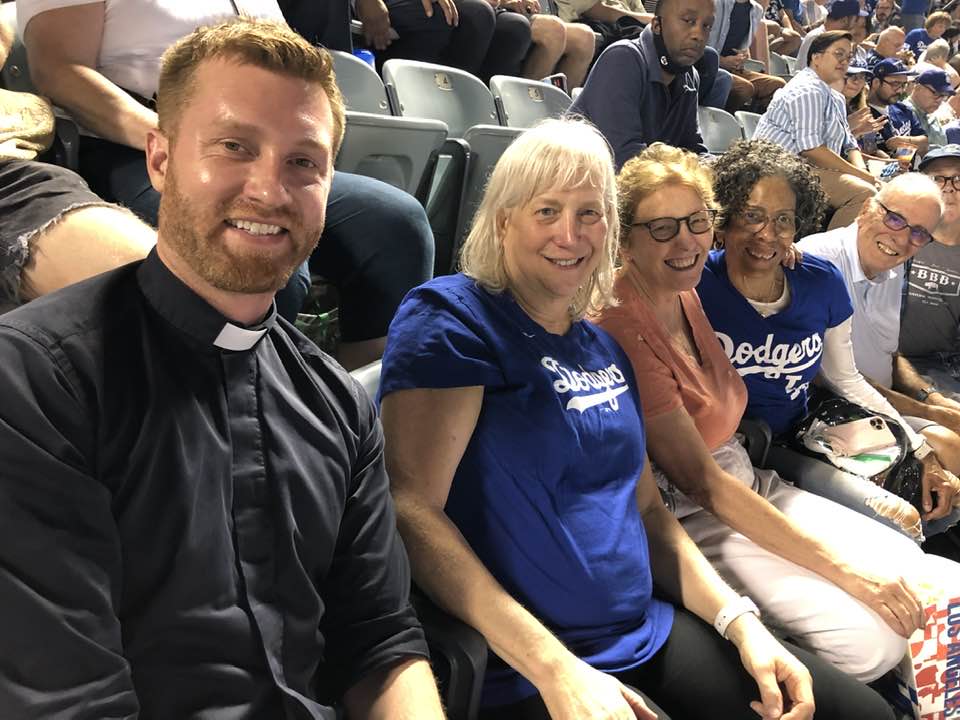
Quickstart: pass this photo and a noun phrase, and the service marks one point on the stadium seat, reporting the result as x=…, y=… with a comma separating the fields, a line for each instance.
x=754, y=65
x=487, y=144
x=15, y=76
x=748, y=121
x=463, y=102
x=791, y=65
x=522, y=103
x=458, y=653
x=778, y=66
x=718, y=128
x=419, y=89
x=399, y=151
x=362, y=88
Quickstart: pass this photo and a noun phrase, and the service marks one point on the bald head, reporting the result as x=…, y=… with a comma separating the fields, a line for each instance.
x=918, y=192
x=890, y=41
x=895, y=224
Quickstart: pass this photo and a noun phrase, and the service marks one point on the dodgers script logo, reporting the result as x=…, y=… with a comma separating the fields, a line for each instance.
x=608, y=383
x=775, y=361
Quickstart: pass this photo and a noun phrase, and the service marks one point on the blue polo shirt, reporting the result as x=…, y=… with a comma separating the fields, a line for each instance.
x=626, y=98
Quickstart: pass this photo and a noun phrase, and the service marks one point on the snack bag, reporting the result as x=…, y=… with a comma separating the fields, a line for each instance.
x=926, y=683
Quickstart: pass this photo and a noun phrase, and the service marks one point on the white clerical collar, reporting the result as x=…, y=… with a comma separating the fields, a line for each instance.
x=233, y=337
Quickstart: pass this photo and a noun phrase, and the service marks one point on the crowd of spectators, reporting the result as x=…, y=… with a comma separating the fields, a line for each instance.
x=196, y=498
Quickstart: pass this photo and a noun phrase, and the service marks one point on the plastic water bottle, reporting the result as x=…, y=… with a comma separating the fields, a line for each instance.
x=367, y=57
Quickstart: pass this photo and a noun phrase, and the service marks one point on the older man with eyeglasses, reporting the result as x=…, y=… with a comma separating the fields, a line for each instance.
x=871, y=254
x=931, y=88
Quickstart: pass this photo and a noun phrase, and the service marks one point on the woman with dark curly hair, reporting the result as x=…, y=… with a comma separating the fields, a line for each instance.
x=831, y=579
x=783, y=327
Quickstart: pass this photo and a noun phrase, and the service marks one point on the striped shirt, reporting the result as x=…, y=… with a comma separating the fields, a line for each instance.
x=805, y=114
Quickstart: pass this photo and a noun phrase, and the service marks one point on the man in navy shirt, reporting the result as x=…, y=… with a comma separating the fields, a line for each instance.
x=645, y=90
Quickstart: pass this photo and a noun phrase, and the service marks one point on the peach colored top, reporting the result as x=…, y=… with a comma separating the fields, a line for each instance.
x=712, y=393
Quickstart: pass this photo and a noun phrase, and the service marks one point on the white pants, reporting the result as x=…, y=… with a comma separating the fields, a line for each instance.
x=813, y=612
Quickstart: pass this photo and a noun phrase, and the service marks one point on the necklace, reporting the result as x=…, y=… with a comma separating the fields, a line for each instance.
x=771, y=293
x=678, y=335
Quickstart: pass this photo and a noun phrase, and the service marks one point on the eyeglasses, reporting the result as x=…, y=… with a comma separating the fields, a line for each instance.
x=666, y=228
x=784, y=223
x=898, y=86
x=842, y=56
x=942, y=181
x=919, y=235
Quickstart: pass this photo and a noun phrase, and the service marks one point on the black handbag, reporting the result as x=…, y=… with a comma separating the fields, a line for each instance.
x=903, y=478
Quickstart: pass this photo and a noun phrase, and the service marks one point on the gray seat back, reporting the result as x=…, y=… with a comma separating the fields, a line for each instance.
x=398, y=151
x=748, y=121
x=718, y=128
x=369, y=377
x=523, y=103
x=361, y=86
x=487, y=143
x=442, y=93
x=778, y=65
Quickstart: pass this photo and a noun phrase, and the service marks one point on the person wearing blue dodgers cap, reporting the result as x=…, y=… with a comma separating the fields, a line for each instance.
x=840, y=17
x=891, y=81
x=863, y=126
x=930, y=89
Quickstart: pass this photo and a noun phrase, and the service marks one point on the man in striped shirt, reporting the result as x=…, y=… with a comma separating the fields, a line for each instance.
x=809, y=118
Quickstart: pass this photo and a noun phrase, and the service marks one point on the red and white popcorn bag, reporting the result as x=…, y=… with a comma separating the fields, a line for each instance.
x=926, y=683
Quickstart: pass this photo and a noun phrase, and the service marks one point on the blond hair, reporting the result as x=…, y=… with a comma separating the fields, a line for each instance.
x=937, y=17
x=555, y=154
x=656, y=167
x=265, y=44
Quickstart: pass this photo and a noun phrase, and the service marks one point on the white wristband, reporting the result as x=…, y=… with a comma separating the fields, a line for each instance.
x=731, y=611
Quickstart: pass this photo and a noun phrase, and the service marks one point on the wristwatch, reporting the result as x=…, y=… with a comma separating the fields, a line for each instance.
x=926, y=392
x=921, y=452
x=731, y=611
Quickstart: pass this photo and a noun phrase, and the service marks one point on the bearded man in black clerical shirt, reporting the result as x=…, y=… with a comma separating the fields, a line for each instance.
x=194, y=515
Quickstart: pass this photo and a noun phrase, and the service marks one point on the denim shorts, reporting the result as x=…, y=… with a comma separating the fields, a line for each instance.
x=33, y=195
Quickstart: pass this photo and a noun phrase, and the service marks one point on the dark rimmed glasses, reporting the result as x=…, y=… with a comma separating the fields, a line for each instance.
x=942, y=181
x=919, y=235
x=755, y=220
x=663, y=229
x=899, y=85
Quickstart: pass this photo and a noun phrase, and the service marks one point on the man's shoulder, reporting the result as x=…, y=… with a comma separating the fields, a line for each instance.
x=830, y=245
x=85, y=308
x=624, y=51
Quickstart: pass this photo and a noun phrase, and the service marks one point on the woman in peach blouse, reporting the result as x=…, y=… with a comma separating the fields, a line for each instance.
x=835, y=581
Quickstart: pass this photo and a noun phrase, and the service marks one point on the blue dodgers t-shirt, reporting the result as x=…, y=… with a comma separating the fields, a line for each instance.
x=903, y=121
x=545, y=492
x=777, y=356
x=918, y=40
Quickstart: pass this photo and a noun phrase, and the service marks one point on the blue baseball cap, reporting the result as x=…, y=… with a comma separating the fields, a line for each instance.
x=944, y=151
x=859, y=69
x=844, y=8
x=937, y=81
x=891, y=66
